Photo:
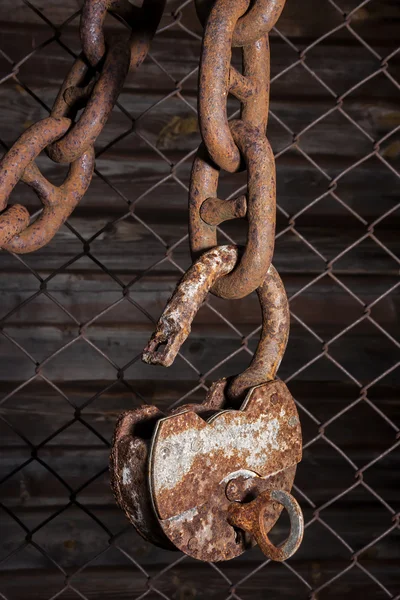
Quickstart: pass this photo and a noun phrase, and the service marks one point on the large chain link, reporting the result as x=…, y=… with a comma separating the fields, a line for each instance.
x=93, y=84
x=230, y=145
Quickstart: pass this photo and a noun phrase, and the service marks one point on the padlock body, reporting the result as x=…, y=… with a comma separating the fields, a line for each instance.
x=192, y=461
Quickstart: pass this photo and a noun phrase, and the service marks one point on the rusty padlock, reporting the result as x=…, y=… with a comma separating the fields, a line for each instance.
x=211, y=479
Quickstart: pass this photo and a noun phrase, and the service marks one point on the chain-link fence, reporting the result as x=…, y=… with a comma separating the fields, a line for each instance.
x=75, y=315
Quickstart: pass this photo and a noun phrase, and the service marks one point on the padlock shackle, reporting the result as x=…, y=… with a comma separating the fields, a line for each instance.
x=273, y=339
x=175, y=322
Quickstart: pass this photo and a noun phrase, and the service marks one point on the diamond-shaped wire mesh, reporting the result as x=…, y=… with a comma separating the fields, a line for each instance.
x=75, y=315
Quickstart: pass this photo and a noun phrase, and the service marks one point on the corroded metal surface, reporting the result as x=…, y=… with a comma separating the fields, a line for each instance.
x=273, y=339
x=94, y=89
x=193, y=460
x=251, y=517
x=231, y=146
x=142, y=22
x=12, y=221
x=58, y=203
x=175, y=323
x=214, y=82
x=129, y=471
x=25, y=150
x=261, y=206
x=258, y=20
x=214, y=211
x=217, y=77
x=220, y=473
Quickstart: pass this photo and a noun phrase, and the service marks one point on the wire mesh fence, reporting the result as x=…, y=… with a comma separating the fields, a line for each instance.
x=64, y=384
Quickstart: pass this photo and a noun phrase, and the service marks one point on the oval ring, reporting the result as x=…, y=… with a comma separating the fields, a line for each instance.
x=102, y=98
x=251, y=270
x=58, y=203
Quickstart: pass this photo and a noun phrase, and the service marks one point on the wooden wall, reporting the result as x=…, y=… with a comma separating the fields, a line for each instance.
x=44, y=438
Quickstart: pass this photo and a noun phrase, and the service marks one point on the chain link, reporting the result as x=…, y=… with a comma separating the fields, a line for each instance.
x=258, y=20
x=93, y=84
x=231, y=146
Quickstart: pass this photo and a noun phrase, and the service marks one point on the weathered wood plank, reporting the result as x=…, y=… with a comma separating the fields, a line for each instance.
x=194, y=580
x=64, y=538
x=120, y=248
x=374, y=106
x=376, y=21
x=375, y=353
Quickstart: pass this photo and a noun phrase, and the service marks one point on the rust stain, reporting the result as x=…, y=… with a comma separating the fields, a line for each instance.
x=177, y=127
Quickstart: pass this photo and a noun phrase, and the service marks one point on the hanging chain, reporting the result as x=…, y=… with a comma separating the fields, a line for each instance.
x=231, y=271
x=93, y=84
x=235, y=144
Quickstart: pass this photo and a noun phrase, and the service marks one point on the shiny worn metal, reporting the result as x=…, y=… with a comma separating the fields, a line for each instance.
x=252, y=517
x=58, y=203
x=93, y=84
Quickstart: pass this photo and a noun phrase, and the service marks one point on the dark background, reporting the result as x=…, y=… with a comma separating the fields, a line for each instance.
x=75, y=315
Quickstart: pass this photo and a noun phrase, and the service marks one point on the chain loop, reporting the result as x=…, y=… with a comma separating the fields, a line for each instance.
x=58, y=203
x=217, y=78
x=260, y=18
x=175, y=323
x=251, y=270
x=100, y=103
x=18, y=165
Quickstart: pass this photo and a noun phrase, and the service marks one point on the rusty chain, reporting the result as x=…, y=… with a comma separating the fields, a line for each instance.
x=191, y=497
x=243, y=142
x=351, y=569
x=93, y=84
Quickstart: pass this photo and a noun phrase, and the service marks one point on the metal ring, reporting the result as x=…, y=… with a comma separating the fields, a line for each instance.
x=294, y=540
x=250, y=272
x=250, y=517
x=98, y=108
